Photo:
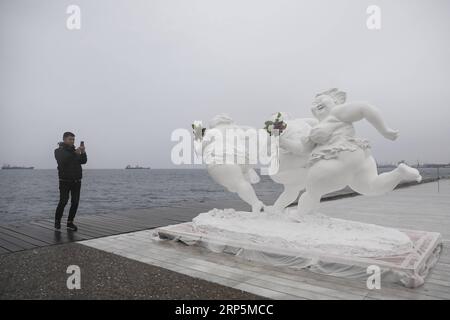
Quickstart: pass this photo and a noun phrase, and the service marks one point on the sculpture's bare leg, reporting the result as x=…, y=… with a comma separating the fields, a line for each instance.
x=327, y=176
x=308, y=203
x=250, y=174
x=323, y=177
x=231, y=177
x=288, y=196
x=368, y=182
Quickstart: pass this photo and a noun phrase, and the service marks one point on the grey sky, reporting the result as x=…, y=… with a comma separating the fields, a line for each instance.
x=139, y=69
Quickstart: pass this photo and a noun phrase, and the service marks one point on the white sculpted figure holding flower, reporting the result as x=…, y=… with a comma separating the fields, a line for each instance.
x=236, y=175
x=340, y=159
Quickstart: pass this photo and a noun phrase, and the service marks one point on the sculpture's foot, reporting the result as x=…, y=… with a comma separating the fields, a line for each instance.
x=408, y=173
x=258, y=207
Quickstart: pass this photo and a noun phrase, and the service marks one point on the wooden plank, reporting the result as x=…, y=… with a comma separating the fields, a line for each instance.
x=147, y=220
x=82, y=232
x=3, y=250
x=434, y=290
x=133, y=223
x=19, y=242
x=23, y=237
x=10, y=246
x=163, y=213
x=441, y=267
x=90, y=232
x=34, y=231
x=111, y=222
x=62, y=234
x=107, y=228
x=443, y=283
x=300, y=293
x=438, y=276
x=101, y=229
x=265, y=292
x=109, y=225
x=441, y=273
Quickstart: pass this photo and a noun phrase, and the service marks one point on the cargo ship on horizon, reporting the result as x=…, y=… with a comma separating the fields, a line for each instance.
x=8, y=167
x=136, y=167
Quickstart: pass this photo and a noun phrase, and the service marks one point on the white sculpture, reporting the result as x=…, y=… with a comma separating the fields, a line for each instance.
x=236, y=176
x=339, y=159
x=320, y=156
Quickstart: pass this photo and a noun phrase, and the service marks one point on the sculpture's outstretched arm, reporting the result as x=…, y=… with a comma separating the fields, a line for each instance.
x=356, y=111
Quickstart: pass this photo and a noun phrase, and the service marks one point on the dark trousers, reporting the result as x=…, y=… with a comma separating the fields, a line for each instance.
x=66, y=188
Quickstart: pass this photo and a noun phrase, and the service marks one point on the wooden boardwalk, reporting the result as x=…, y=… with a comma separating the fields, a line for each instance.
x=39, y=233
x=21, y=236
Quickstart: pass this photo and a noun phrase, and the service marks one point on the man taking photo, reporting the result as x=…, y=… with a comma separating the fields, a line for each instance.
x=69, y=162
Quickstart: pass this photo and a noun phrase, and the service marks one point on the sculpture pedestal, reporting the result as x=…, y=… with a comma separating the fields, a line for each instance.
x=321, y=244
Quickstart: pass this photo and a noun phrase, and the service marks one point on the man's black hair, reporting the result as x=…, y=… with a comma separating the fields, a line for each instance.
x=68, y=134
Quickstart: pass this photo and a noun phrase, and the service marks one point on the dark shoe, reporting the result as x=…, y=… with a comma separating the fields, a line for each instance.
x=57, y=225
x=71, y=226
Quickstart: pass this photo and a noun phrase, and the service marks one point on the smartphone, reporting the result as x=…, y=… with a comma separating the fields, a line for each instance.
x=82, y=144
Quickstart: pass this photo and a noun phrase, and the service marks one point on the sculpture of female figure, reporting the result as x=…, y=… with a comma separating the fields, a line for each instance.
x=236, y=176
x=340, y=159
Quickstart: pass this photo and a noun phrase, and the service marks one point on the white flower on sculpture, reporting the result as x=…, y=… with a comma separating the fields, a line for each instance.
x=198, y=130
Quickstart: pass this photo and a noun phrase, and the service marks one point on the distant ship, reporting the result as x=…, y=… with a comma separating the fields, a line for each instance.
x=8, y=167
x=136, y=167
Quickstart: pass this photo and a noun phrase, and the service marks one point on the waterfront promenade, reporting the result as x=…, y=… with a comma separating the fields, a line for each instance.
x=112, y=244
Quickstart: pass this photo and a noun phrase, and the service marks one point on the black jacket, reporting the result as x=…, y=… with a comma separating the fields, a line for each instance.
x=69, y=162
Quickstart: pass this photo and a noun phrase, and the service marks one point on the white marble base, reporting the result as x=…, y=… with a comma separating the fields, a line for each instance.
x=316, y=233
x=409, y=268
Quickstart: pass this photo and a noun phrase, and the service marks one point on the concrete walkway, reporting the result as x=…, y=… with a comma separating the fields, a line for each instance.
x=42, y=274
